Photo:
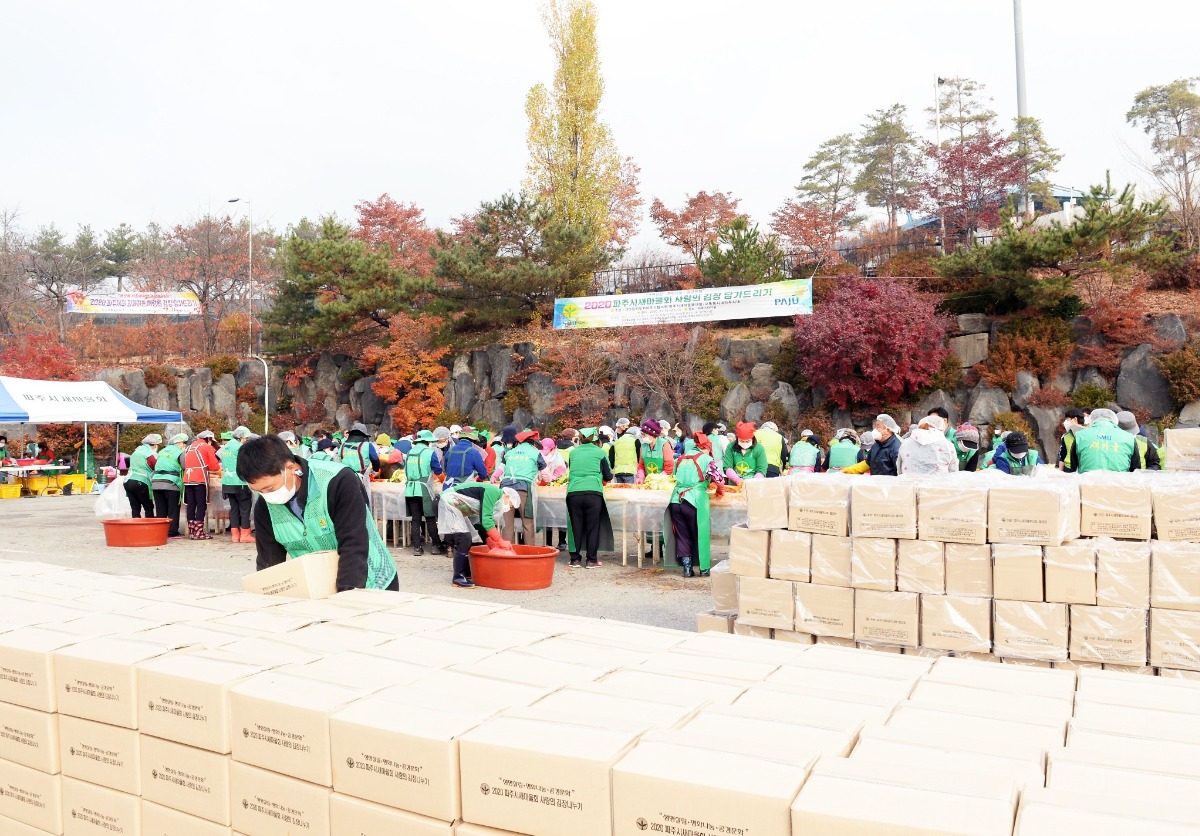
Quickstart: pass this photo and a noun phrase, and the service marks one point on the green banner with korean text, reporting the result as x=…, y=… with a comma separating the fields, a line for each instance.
x=708, y=304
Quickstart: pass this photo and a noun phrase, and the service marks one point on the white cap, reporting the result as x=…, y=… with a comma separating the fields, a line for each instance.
x=287, y=435
x=455, y=428
x=805, y=434
x=770, y=425
x=665, y=426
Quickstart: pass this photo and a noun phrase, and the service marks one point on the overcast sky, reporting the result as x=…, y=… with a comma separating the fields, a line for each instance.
x=134, y=112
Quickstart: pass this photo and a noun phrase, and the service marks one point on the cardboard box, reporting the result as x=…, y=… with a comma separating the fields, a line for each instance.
x=281, y=723
x=184, y=697
x=952, y=511
x=1027, y=630
x=99, y=754
x=1175, y=639
x=825, y=709
x=29, y=738
x=1122, y=574
x=540, y=778
x=722, y=585
x=727, y=729
x=1051, y=812
x=966, y=727
x=654, y=790
x=1017, y=573
x=1112, y=773
x=265, y=653
x=873, y=563
x=1071, y=573
x=876, y=738
x=1115, y=505
x=1174, y=576
x=675, y=690
x=1034, y=512
x=741, y=628
x=882, y=506
x=1002, y=705
x=163, y=821
x=889, y=618
x=368, y=673
x=956, y=622
x=90, y=810
x=353, y=817
x=430, y=652
x=793, y=637
x=921, y=566
x=267, y=804
x=1019, y=770
x=309, y=576
x=791, y=556
x=586, y=651
x=766, y=603
x=97, y=679
x=1112, y=635
x=840, y=659
x=27, y=666
x=748, y=551
x=820, y=504
x=1182, y=445
x=580, y=706
x=183, y=778
x=983, y=674
x=968, y=570
x=710, y=621
x=1176, y=500
x=824, y=610
x=733, y=671
x=447, y=688
x=830, y=560
x=766, y=503
x=31, y=797
x=518, y=666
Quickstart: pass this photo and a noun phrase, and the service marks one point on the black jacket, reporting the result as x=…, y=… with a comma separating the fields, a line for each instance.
x=882, y=456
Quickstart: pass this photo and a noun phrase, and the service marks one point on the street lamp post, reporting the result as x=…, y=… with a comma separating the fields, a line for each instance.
x=250, y=323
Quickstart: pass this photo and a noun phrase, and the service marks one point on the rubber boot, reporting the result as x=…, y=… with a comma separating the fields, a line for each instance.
x=686, y=563
x=247, y=535
x=237, y=534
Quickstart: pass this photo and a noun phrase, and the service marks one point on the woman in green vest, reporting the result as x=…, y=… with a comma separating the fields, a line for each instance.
x=806, y=455
x=420, y=466
x=521, y=465
x=624, y=455
x=310, y=507
x=771, y=441
x=589, y=529
x=234, y=488
x=141, y=475
x=489, y=506
x=168, y=483
x=658, y=454
x=746, y=459
x=687, y=531
x=845, y=450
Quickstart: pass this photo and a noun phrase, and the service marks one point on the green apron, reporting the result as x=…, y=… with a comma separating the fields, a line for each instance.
x=691, y=486
x=168, y=467
x=357, y=457
x=842, y=453
x=229, y=456
x=139, y=466
x=316, y=532
x=653, y=457
x=86, y=464
x=520, y=465
x=585, y=476
x=418, y=474
x=804, y=455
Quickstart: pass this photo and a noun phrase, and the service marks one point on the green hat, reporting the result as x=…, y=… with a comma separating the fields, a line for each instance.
x=588, y=433
x=425, y=435
x=226, y=436
x=307, y=441
x=469, y=433
x=338, y=436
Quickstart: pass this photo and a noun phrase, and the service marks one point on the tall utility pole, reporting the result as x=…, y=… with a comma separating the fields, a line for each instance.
x=1022, y=109
x=250, y=273
x=937, y=135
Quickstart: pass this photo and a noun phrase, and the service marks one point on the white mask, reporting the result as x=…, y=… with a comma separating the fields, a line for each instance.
x=745, y=445
x=1067, y=426
x=281, y=495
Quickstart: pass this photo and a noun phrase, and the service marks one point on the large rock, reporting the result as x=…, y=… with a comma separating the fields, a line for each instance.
x=1140, y=383
x=183, y=393
x=727, y=371
x=462, y=365
x=785, y=396
x=1027, y=384
x=541, y=390
x=527, y=353
x=225, y=396
x=522, y=417
x=249, y=372
x=935, y=399
x=1045, y=425
x=372, y=406
x=1170, y=329
x=159, y=397
x=746, y=353
x=637, y=401
x=488, y=412
x=344, y=417
x=841, y=419
x=1062, y=380
x=754, y=412
x=464, y=393
x=325, y=377
x=202, y=390
x=500, y=359
x=973, y=323
x=135, y=386
x=971, y=349
x=356, y=393
x=694, y=423
x=733, y=405
x=1089, y=374
x=1189, y=416
x=481, y=371
x=113, y=377
x=985, y=401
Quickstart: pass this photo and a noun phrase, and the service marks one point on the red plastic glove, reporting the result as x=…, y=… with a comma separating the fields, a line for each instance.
x=497, y=543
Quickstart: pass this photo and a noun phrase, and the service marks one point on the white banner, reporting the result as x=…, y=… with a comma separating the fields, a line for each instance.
x=61, y=401
x=142, y=304
x=674, y=306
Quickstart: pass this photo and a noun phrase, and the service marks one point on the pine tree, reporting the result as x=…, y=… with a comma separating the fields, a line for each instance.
x=889, y=154
x=828, y=182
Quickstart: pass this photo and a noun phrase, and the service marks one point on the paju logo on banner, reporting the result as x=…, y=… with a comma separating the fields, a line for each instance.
x=676, y=306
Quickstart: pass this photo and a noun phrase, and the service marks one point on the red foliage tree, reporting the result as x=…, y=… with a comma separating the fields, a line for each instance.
x=871, y=343
x=696, y=225
x=972, y=179
x=410, y=371
x=625, y=206
x=807, y=227
x=38, y=357
x=401, y=227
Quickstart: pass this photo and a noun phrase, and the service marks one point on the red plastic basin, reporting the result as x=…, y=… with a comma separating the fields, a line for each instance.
x=137, y=533
x=532, y=567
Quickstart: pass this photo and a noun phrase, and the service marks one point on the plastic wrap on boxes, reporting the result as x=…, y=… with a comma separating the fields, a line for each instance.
x=1038, y=511
x=1175, y=639
x=791, y=555
x=819, y=503
x=741, y=628
x=883, y=506
x=723, y=586
x=1031, y=631
x=873, y=563
x=1182, y=448
x=1122, y=573
x=887, y=618
x=955, y=622
x=920, y=566
x=1175, y=576
x=766, y=503
x=825, y=611
x=830, y=560
x=748, y=551
x=1071, y=573
x=1176, y=507
x=953, y=509
x=968, y=570
x=713, y=622
x=1116, y=504
x=765, y=603
x=1017, y=572
x=1112, y=635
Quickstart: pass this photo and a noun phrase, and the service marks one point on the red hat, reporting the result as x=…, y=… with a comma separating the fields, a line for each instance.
x=745, y=430
x=529, y=435
x=702, y=441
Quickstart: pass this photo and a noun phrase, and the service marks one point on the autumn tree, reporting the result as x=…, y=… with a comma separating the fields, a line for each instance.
x=741, y=255
x=675, y=365
x=969, y=181
x=409, y=371
x=18, y=302
x=890, y=163
x=1170, y=116
x=625, y=204
x=1038, y=160
x=808, y=228
x=829, y=184
x=55, y=268
x=697, y=223
x=38, y=357
x=581, y=364
x=399, y=227
x=573, y=161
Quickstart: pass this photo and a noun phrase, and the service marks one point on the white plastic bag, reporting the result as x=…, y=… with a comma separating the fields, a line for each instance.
x=113, y=504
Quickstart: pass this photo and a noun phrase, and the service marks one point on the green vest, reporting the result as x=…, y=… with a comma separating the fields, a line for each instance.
x=653, y=455
x=804, y=455
x=322, y=456
x=229, y=456
x=625, y=455
x=746, y=463
x=772, y=444
x=417, y=470
x=520, y=463
x=987, y=458
x=316, y=532
x=1104, y=446
x=168, y=467
x=1143, y=447
x=719, y=442
x=1069, y=448
x=842, y=453
x=357, y=457
x=585, y=471
x=1020, y=468
x=139, y=465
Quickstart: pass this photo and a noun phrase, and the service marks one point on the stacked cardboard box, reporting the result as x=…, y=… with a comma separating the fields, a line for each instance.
x=1100, y=569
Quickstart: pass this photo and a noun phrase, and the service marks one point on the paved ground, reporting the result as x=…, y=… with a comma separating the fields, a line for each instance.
x=64, y=531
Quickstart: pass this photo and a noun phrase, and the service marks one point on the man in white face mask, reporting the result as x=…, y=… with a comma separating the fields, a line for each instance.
x=310, y=507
